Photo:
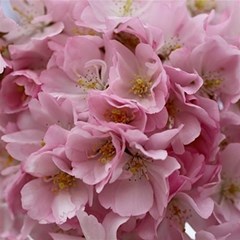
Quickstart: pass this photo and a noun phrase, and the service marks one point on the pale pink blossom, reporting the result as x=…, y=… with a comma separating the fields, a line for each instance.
x=54, y=184
x=98, y=14
x=226, y=193
x=218, y=71
x=32, y=125
x=79, y=71
x=32, y=22
x=223, y=21
x=133, y=32
x=115, y=112
x=17, y=89
x=119, y=119
x=139, y=77
x=181, y=209
x=177, y=27
x=143, y=182
x=98, y=161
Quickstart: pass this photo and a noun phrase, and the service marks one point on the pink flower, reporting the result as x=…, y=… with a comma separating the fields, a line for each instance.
x=143, y=182
x=227, y=192
x=177, y=27
x=97, y=15
x=192, y=114
x=32, y=22
x=133, y=32
x=78, y=72
x=139, y=78
x=32, y=125
x=54, y=185
x=115, y=112
x=17, y=89
x=98, y=161
x=181, y=209
x=220, y=80
x=223, y=21
x=119, y=119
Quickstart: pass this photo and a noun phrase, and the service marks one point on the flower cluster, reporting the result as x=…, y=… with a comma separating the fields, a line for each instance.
x=120, y=119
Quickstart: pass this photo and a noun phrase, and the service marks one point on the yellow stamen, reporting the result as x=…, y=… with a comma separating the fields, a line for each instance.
x=212, y=84
x=178, y=214
x=230, y=190
x=107, y=152
x=62, y=181
x=127, y=8
x=200, y=4
x=86, y=84
x=118, y=116
x=137, y=166
x=141, y=87
x=22, y=14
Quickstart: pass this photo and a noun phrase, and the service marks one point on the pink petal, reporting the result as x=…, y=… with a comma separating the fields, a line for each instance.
x=111, y=223
x=91, y=228
x=62, y=207
x=36, y=191
x=128, y=198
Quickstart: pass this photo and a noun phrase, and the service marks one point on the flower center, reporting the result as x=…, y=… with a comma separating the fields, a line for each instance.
x=118, y=116
x=178, y=214
x=106, y=152
x=62, y=181
x=230, y=189
x=141, y=87
x=127, y=8
x=82, y=82
x=211, y=83
x=200, y=6
x=90, y=80
x=169, y=46
x=137, y=167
